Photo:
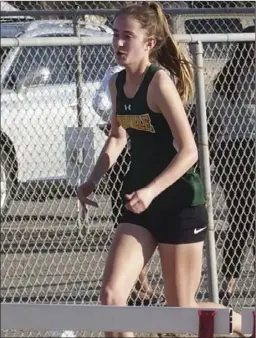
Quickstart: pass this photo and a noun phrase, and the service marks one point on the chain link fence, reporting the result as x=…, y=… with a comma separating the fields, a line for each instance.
x=49, y=252
x=188, y=17
x=23, y=5
x=231, y=109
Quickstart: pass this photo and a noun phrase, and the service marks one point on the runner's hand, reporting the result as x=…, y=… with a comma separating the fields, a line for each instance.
x=83, y=191
x=139, y=200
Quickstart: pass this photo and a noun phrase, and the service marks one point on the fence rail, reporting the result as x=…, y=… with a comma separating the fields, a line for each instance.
x=82, y=12
x=77, y=41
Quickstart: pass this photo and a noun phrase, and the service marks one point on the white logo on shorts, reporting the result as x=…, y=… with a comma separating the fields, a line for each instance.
x=196, y=231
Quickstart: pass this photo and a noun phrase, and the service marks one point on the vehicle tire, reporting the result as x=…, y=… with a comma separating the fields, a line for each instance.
x=7, y=183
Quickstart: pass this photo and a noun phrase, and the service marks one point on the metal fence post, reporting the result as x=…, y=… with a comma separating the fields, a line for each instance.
x=78, y=74
x=79, y=97
x=204, y=158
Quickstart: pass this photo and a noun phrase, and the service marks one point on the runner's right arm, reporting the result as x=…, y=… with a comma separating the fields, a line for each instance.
x=115, y=143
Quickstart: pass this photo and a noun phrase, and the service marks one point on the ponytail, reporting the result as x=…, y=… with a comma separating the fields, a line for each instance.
x=169, y=55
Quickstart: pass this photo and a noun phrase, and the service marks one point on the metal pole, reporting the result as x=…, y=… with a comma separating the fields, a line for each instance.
x=79, y=75
x=204, y=158
x=79, y=97
x=172, y=11
x=28, y=40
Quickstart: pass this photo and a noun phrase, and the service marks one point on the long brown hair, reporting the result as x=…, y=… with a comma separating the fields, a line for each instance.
x=166, y=51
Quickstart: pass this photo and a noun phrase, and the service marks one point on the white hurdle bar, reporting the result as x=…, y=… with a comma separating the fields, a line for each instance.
x=249, y=321
x=97, y=318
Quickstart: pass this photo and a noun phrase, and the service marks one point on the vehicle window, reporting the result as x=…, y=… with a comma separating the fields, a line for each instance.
x=214, y=26
x=31, y=59
x=60, y=61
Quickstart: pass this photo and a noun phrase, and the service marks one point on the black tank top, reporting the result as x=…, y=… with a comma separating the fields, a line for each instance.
x=152, y=148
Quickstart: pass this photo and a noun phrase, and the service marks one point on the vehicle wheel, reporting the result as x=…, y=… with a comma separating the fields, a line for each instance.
x=7, y=184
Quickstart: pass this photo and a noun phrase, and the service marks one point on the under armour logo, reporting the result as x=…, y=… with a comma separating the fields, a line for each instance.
x=128, y=107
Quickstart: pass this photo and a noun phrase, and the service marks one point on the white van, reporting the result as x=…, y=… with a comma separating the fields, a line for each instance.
x=39, y=108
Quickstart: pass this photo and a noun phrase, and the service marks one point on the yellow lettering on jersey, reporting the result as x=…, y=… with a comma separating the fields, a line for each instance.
x=138, y=122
